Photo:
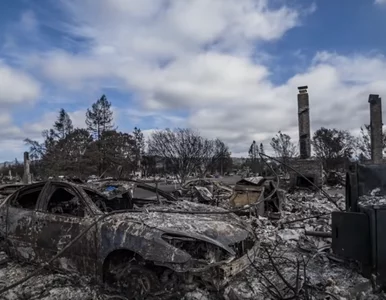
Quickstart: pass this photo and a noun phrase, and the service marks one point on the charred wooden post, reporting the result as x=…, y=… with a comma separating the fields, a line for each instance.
x=376, y=128
x=27, y=174
x=304, y=123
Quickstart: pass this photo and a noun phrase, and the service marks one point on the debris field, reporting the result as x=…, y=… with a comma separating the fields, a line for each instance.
x=205, y=240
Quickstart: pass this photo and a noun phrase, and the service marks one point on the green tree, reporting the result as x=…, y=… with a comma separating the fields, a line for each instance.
x=48, y=153
x=139, y=147
x=332, y=144
x=118, y=151
x=73, y=149
x=283, y=146
x=63, y=126
x=100, y=117
x=262, y=148
x=254, y=158
x=363, y=143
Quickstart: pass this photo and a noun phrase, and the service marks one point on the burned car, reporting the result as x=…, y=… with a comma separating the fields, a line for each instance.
x=9, y=188
x=136, y=245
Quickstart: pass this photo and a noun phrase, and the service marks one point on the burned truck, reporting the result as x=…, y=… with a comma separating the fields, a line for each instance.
x=135, y=245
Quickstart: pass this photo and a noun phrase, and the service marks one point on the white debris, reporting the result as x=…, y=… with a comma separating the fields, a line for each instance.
x=375, y=192
x=371, y=200
x=324, y=275
x=197, y=294
x=289, y=234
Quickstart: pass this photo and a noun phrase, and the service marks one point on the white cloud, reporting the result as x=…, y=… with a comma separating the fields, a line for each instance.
x=196, y=57
x=380, y=1
x=7, y=129
x=339, y=87
x=177, y=26
x=129, y=39
x=11, y=149
x=71, y=70
x=33, y=130
x=158, y=120
x=16, y=87
x=11, y=138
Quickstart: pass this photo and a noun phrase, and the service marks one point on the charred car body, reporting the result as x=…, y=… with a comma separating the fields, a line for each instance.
x=8, y=189
x=124, y=244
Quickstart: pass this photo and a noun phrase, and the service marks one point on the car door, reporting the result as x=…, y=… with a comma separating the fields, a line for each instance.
x=20, y=217
x=62, y=215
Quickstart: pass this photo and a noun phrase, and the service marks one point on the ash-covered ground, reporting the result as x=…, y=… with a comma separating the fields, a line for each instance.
x=375, y=198
x=289, y=265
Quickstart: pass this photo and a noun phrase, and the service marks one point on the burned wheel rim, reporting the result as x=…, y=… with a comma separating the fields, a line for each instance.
x=137, y=282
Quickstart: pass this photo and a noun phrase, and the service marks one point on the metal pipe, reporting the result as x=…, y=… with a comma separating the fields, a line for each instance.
x=319, y=234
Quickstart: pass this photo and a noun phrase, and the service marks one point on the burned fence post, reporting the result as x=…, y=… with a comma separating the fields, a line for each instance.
x=376, y=128
x=304, y=123
x=27, y=173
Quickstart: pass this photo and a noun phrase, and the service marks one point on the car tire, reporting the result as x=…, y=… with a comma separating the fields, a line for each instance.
x=138, y=282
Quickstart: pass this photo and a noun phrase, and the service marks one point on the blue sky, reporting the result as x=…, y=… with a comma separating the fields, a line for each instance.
x=228, y=68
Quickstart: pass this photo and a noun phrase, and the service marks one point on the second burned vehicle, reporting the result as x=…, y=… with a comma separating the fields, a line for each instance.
x=133, y=244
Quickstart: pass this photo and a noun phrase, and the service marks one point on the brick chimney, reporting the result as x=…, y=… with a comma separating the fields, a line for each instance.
x=27, y=174
x=376, y=128
x=304, y=123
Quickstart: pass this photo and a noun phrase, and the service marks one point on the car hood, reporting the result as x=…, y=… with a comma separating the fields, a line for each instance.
x=220, y=229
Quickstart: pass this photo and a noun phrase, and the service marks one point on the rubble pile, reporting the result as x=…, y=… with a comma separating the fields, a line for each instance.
x=246, y=192
x=205, y=191
x=294, y=260
x=112, y=188
x=292, y=264
x=47, y=286
x=334, y=179
x=50, y=285
x=375, y=198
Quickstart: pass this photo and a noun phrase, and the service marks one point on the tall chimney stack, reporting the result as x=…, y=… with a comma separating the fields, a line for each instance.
x=304, y=123
x=376, y=128
x=27, y=174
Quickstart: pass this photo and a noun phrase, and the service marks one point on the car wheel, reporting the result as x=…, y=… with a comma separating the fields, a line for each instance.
x=137, y=281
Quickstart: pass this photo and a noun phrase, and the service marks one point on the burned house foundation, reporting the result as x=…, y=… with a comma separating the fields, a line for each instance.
x=312, y=169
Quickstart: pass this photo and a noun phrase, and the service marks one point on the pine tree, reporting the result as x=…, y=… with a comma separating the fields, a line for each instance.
x=63, y=126
x=139, y=147
x=254, y=157
x=99, y=120
x=262, y=148
x=100, y=117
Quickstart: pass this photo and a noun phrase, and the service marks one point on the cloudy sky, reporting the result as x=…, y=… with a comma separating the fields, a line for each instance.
x=229, y=68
